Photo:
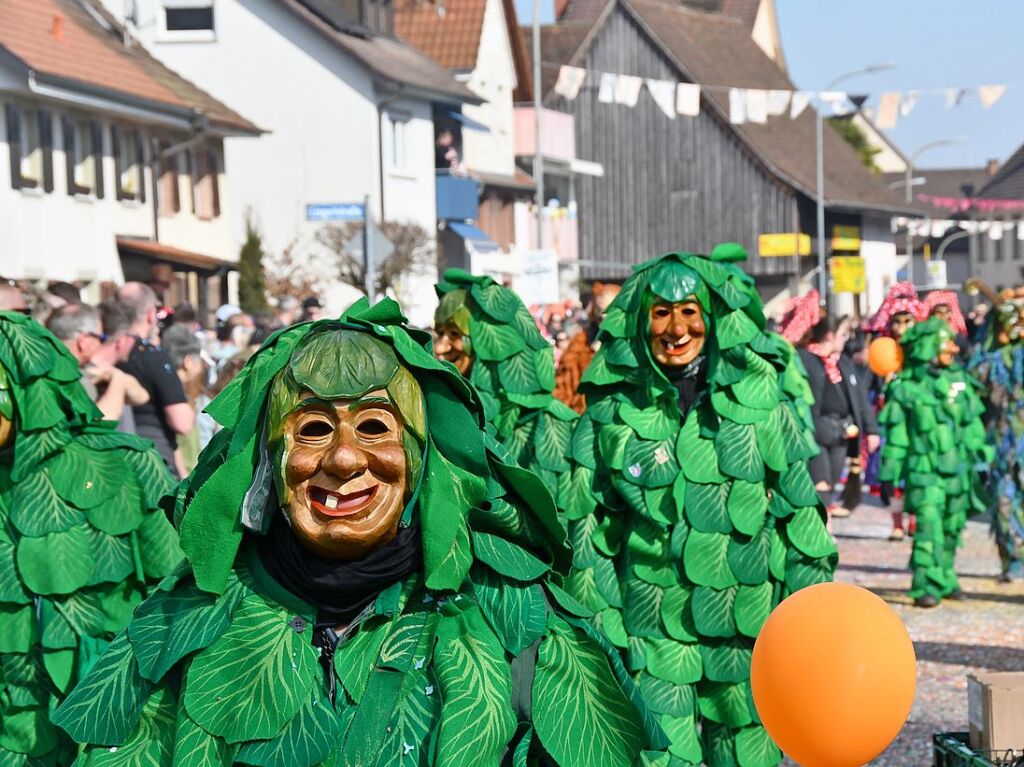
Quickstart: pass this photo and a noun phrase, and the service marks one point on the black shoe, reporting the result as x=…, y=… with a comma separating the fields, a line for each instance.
x=926, y=601
x=955, y=595
x=1005, y=578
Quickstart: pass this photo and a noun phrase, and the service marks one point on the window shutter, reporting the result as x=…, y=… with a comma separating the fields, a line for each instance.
x=14, y=143
x=46, y=142
x=214, y=183
x=115, y=144
x=96, y=129
x=141, y=151
x=67, y=126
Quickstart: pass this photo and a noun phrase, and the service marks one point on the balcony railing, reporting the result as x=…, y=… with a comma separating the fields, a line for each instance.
x=458, y=197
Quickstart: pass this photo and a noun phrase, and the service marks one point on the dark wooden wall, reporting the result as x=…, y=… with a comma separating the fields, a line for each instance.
x=682, y=184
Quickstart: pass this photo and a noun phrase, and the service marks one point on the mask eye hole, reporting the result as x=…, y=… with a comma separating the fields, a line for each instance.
x=372, y=427
x=661, y=311
x=315, y=429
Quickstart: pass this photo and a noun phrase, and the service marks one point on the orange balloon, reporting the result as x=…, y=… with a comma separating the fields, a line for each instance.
x=833, y=675
x=885, y=356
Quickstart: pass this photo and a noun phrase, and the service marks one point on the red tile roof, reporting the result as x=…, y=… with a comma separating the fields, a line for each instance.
x=60, y=39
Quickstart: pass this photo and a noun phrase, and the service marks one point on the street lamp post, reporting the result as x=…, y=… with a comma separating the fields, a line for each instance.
x=819, y=140
x=908, y=195
x=538, y=100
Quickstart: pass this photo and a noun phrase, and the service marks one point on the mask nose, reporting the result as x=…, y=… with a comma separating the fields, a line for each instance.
x=345, y=460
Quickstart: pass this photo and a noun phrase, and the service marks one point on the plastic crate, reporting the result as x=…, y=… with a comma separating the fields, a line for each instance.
x=952, y=749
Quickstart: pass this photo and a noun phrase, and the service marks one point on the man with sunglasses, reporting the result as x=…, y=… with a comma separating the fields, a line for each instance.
x=78, y=327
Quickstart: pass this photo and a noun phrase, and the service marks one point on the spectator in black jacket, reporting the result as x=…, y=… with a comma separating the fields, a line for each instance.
x=840, y=410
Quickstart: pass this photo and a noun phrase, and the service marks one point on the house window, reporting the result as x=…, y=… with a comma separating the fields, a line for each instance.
x=206, y=183
x=170, y=194
x=129, y=164
x=83, y=152
x=187, y=20
x=30, y=142
x=398, y=125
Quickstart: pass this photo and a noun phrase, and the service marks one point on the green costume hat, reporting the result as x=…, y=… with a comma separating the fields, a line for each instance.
x=80, y=536
x=476, y=656
x=513, y=370
x=934, y=436
x=689, y=527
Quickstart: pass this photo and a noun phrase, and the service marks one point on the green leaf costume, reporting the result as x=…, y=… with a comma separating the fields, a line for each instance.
x=80, y=536
x=934, y=437
x=690, y=522
x=514, y=372
x=478, y=657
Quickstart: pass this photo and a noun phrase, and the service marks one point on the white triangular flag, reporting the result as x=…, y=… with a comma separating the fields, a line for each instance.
x=664, y=94
x=799, y=103
x=778, y=102
x=990, y=94
x=910, y=99
x=737, y=106
x=606, y=93
x=570, y=80
x=688, y=99
x=954, y=96
x=627, y=90
x=837, y=100
x=1020, y=231
x=757, y=106
x=995, y=231
x=888, y=110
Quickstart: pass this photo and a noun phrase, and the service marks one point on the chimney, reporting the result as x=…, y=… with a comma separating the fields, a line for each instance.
x=57, y=28
x=992, y=167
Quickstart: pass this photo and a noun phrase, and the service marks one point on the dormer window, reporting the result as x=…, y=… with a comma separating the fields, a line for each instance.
x=187, y=21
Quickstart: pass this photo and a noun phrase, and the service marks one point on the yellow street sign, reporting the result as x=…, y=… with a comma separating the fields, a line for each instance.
x=847, y=274
x=846, y=238
x=784, y=244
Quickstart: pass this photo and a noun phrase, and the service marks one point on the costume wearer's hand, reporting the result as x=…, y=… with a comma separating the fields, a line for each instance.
x=99, y=373
x=874, y=442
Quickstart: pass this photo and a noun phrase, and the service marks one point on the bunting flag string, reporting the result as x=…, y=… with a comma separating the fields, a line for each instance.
x=757, y=105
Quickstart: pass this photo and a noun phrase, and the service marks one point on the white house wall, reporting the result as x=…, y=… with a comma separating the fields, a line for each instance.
x=494, y=81
x=319, y=107
x=878, y=248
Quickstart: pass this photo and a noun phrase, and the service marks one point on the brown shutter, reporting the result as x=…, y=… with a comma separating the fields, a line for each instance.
x=46, y=142
x=96, y=128
x=140, y=151
x=115, y=147
x=14, y=143
x=67, y=126
x=213, y=170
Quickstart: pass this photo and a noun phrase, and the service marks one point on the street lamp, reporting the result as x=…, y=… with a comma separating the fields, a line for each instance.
x=538, y=99
x=908, y=196
x=822, y=268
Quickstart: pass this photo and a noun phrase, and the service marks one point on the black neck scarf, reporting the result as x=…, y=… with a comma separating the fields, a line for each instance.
x=689, y=381
x=338, y=589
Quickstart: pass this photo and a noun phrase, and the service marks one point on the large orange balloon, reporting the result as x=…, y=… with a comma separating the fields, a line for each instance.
x=833, y=675
x=885, y=356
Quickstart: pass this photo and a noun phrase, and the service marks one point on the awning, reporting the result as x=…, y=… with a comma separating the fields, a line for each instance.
x=186, y=260
x=480, y=242
x=466, y=122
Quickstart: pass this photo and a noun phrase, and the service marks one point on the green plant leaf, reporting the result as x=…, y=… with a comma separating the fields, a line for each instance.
x=752, y=608
x=104, y=707
x=748, y=505
x=250, y=682
x=704, y=557
x=507, y=558
x=713, y=611
x=673, y=661
x=517, y=613
x=58, y=563
x=580, y=712
x=476, y=688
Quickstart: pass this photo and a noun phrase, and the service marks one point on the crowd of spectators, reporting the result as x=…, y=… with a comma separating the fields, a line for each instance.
x=153, y=368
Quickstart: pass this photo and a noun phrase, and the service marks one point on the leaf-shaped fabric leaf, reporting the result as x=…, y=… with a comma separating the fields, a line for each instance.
x=37, y=509
x=611, y=441
x=713, y=611
x=677, y=615
x=578, y=501
x=122, y=513
x=152, y=743
x=725, y=703
x=651, y=422
x=517, y=613
x=11, y=587
x=494, y=343
x=17, y=628
x=414, y=723
x=706, y=507
x=642, y=608
x=738, y=456
x=796, y=484
x=759, y=388
x=355, y=659
x=580, y=713
x=158, y=545
x=498, y=302
x=770, y=441
x=685, y=741
x=696, y=454
x=84, y=478
x=476, y=688
x=112, y=558
x=748, y=558
x=507, y=558
x=727, y=660
x=704, y=558
x=551, y=442
x=649, y=463
x=735, y=328
x=755, y=748
x=58, y=563
x=250, y=682
x=171, y=624
x=673, y=661
x=752, y=608
x=747, y=504
x=666, y=697
x=806, y=530
x=518, y=374
x=104, y=707
x=195, y=746
x=307, y=738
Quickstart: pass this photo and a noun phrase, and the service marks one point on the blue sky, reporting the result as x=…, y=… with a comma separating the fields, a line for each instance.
x=934, y=44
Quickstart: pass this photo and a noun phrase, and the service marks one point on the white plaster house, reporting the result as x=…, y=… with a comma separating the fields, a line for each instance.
x=109, y=162
x=348, y=111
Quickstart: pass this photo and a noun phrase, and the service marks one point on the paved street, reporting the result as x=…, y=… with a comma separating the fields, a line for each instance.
x=984, y=632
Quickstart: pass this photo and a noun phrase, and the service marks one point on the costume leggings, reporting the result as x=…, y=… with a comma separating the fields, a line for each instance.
x=1008, y=526
x=933, y=557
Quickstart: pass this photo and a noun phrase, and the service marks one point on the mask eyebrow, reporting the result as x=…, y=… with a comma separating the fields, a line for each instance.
x=370, y=402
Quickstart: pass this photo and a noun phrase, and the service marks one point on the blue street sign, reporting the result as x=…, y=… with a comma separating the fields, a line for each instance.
x=336, y=211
